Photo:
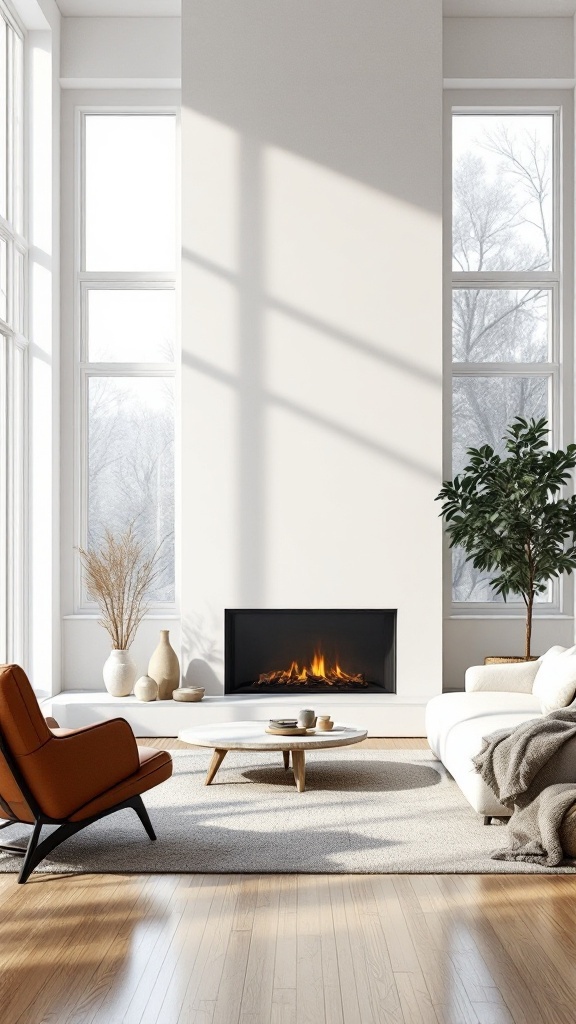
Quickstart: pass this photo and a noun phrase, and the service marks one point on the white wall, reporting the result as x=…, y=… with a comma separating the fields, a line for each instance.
x=120, y=52
x=509, y=48
x=312, y=317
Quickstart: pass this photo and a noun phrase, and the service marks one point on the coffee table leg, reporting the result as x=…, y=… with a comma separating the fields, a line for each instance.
x=217, y=758
x=299, y=766
x=286, y=755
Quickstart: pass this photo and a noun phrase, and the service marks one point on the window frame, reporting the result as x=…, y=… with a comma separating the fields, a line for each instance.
x=14, y=370
x=558, y=367
x=84, y=370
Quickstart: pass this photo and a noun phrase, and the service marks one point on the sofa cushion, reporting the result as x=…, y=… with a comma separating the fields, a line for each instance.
x=449, y=709
x=555, y=682
x=456, y=724
x=514, y=677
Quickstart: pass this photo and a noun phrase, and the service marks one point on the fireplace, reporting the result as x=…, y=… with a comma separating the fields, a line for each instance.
x=280, y=651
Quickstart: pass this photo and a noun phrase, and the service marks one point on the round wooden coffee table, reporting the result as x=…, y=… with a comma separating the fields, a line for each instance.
x=253, y=736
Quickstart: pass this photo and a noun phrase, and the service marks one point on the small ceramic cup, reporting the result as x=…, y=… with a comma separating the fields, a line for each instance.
x=324, y=723
x=306, y=719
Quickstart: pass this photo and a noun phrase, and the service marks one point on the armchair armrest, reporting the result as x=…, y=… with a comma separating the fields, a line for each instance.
x=512, y=678
x=76, y=766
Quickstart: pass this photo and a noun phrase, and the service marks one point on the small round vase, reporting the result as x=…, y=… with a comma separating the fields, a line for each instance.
x=146, y=688
x=164, y=667
x=119, y=673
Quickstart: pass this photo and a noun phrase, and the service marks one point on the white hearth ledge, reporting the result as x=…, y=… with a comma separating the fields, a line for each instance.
x=381, y=714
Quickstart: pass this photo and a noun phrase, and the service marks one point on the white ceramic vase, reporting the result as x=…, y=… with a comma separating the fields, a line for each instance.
x=146, y=688
x=119, y=673
x=164, y=667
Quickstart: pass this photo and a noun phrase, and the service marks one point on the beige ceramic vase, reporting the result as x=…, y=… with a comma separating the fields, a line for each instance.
x=164, y=667
x=146, y=688
x=119, y=673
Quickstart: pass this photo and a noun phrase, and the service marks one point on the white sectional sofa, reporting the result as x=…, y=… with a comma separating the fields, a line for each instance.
x=495, y=697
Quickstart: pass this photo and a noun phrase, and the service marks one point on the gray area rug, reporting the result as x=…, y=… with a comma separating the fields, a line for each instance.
x=364, y=811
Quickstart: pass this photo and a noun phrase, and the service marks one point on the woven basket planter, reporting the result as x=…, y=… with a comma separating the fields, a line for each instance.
x=507, y=659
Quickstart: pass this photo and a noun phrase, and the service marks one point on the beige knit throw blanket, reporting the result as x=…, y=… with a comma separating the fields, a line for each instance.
x=519, y=767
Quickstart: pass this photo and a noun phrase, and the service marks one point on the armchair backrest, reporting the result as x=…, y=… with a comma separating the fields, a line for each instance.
x=23, y=730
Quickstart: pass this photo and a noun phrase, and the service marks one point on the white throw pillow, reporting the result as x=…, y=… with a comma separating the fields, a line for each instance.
x=555, y=683
x=515, y=677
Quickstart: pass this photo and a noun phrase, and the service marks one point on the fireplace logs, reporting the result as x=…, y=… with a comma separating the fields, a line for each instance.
x=318, y=673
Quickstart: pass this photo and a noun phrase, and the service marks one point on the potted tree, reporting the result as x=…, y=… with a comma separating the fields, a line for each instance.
x=508, y=516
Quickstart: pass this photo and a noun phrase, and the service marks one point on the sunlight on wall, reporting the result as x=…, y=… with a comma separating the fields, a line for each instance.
x=347, y=254
x=211, y=202
x=350, y=353
x=356, y=390
x=216, y=321
x=311, y=389
x=211, y=426
x=324, y=504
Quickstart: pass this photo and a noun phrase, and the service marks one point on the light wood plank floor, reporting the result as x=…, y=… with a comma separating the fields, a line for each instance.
x=286, y=949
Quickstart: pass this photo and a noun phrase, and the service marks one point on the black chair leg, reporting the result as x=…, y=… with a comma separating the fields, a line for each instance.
x=142, y=813
x=36, y=851
x=487, y=819
x=28, y=862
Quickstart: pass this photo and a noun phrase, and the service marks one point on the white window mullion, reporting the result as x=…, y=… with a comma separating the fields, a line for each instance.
x=486, y=278
x=124, y=279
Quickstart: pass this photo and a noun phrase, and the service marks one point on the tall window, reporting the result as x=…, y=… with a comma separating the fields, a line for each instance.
x=13, y=343
x=127, y=330
x=506, y=289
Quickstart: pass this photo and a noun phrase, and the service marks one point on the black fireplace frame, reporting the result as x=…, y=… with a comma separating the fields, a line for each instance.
x=230, y=687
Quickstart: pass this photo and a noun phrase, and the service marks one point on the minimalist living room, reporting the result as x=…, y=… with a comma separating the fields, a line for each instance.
x=287, y=512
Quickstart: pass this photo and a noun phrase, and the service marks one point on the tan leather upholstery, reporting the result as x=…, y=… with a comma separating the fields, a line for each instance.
x=155, y=767
x=71, y=773
x=12, y=801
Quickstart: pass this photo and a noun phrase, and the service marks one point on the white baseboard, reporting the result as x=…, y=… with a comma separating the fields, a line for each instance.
x=382, y=714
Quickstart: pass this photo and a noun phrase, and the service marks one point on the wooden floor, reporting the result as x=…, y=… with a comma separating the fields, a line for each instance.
x=287, y=949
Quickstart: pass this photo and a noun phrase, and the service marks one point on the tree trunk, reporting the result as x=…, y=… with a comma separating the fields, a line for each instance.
x=529, y=606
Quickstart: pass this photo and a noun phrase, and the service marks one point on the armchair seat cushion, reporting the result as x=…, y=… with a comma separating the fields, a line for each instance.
x=155, y=767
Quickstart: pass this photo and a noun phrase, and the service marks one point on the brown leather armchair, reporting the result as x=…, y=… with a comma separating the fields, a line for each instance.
x=66, y=777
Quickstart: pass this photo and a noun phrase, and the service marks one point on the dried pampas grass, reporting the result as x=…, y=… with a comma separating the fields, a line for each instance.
x=118, y=577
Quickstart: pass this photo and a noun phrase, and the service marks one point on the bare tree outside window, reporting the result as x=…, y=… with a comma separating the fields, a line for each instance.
x=131, y=467
x=502, y=223
x=502, y=192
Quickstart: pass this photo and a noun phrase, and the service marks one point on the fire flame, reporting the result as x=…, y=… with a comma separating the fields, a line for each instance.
x=318, y=671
